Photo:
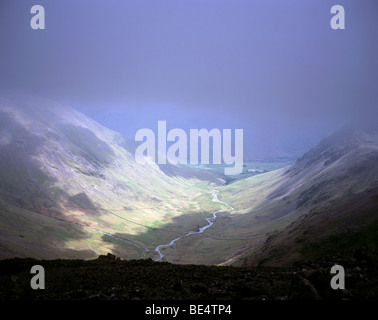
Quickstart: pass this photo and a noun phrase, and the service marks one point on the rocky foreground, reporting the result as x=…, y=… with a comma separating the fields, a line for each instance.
x=108, y=277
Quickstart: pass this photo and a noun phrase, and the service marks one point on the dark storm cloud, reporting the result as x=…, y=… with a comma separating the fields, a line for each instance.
x=273, y=68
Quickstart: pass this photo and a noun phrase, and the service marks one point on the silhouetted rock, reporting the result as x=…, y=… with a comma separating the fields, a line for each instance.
x=110, y=278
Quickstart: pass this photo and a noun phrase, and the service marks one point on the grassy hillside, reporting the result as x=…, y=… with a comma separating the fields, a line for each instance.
x=62, y=174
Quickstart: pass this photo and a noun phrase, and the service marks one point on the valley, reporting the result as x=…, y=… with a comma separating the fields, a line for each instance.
x=210, y=222
x=189, y=150
x=71, y=189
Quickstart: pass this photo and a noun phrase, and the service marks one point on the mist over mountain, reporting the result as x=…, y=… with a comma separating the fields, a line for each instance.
x=265, y=137
x=276, y=70
x=74, y=93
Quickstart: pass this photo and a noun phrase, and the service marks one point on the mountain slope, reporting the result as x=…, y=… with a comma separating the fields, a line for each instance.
x=58, y=163
x=324, y=204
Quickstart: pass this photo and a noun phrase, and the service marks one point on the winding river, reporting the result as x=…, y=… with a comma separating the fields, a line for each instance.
x=210, y=222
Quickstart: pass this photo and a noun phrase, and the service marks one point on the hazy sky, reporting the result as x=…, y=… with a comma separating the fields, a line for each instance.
x=273, y=68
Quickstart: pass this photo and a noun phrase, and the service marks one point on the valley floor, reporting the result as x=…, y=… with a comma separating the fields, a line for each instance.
x=108, y=277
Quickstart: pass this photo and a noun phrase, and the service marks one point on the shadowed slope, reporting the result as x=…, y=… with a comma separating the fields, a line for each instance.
x=331, y=189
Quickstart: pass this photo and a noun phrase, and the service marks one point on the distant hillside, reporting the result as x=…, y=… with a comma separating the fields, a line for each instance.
x=324, y=204
x=66, y=181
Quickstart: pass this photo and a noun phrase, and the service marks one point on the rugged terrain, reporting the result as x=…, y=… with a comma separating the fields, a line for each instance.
x=109, y=277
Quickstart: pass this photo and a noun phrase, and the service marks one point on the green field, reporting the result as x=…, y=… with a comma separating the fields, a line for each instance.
x=250, y=168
